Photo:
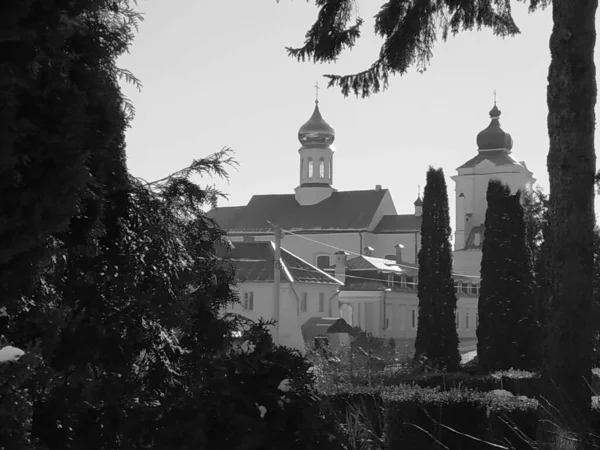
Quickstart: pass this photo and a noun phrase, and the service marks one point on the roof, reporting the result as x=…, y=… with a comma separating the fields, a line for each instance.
x=494, y=136
x=225, y=216
x=319, y=326
x=396, y=223
x=497, y=157
x=371, y=263
x=253, y=262
x=348, y=210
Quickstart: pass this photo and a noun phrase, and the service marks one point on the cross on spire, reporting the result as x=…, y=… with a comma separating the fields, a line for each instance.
x=419, y=189
x=494, y=97
x=317, y=92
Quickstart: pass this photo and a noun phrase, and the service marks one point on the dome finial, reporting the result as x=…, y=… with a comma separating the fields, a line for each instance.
x=317, y=92
x=494, y=97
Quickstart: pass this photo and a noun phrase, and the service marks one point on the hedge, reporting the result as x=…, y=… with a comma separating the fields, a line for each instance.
x=411, y=417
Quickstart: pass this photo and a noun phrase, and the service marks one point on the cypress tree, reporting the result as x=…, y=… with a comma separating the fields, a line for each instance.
x=507, y=326
x=437, y=339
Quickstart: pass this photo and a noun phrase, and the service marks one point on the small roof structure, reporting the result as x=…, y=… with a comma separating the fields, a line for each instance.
x=319, y=326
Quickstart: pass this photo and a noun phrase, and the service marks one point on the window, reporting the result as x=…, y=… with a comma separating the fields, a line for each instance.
x=322, y=167
x=390, y=280
x=387, y=323
x=310, y=168
x=248, y=301
x=402, y=281
x=330, y=169
x=321, y=302
x=303, y=302
x=477, y=289
x=457, y=314
x=323, y=261
x=459, y=287
x=414, y=318
x=301, y=167
x=467, y=320
x=401, y=316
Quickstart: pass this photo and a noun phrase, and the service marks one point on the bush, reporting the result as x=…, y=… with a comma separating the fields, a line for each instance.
x=421, y=418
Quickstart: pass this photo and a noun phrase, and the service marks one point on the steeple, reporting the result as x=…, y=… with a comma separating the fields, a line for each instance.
x=316, y=159
x=494, y=137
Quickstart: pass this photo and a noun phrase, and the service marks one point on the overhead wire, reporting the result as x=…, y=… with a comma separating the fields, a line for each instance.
x=358, y=254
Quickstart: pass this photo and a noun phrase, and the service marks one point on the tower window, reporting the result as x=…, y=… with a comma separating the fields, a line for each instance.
x=322, y=167
x=301, y=166
x=310, y=168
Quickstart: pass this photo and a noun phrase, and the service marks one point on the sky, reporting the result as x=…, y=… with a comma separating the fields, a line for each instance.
x=216, y=74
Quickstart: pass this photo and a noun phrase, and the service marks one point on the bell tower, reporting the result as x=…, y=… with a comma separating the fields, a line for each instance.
x=316, y=159
x=494, y=160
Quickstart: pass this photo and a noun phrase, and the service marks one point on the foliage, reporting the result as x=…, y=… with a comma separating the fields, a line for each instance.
x=409, y=31
x=262, y=395
x=507, y=325
x=437, y=339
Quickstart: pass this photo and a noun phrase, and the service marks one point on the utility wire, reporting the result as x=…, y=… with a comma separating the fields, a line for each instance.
x=357, y=254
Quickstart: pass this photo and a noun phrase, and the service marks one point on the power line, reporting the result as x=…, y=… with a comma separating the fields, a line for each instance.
x=411, y=283
x=357, y=254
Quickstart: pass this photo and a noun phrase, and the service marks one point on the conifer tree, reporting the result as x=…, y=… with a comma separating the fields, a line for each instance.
x=507, y=328
x=437, y=339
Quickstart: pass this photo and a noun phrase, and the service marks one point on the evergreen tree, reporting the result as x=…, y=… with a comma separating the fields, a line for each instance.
x=410, y=31
x=437, y=339
x=507, y=326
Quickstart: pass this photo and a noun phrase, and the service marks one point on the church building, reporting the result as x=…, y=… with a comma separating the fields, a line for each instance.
x=359, y=237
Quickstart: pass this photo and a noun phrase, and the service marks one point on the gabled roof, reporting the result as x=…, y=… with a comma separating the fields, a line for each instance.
x=398, y=223
x=349, y=210
x=253, y=262
x=497, y=157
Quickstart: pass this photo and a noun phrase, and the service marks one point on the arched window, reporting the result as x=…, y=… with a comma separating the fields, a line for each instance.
x=330, y=169
x=301, y=166
x=310, y=167
x=322, y=167
x=323, y=261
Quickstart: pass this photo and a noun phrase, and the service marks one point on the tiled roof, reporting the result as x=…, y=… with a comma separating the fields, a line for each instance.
x=349, y=210
x=253, y=261
x=498, y=157
x=398, y=223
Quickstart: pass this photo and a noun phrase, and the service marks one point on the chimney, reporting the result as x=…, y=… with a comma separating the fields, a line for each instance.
x=398, y=248
x=340, y=265
x=368, y=251
x=377, y=187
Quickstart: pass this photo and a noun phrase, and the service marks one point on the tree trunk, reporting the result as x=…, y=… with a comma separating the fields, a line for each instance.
x=571, y=167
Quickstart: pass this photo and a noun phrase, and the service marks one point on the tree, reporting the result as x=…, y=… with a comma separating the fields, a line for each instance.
x=507, y=323
x=437, y=339
x=409, y=31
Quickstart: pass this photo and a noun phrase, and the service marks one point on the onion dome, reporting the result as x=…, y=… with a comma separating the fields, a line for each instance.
x=494, y=137
x=316, y=130
x=418, y=201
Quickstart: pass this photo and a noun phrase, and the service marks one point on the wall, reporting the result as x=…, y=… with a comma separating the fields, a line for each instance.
x=291, y=318
x=366, y=313
x=467, y=262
